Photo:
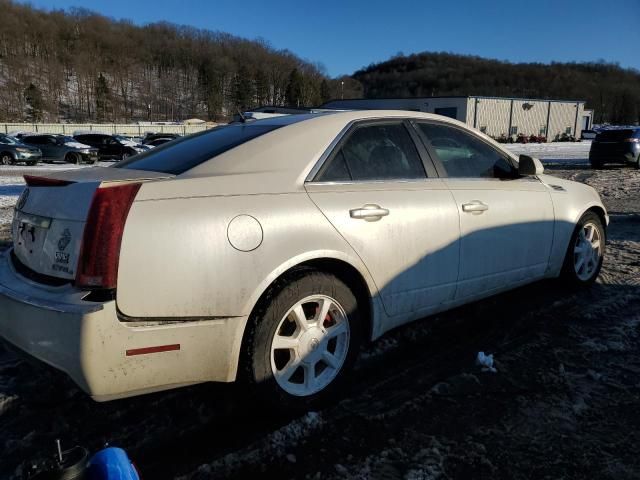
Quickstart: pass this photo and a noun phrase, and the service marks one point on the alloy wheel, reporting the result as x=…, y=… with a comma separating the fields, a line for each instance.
x=310, y=345
x=587, y=251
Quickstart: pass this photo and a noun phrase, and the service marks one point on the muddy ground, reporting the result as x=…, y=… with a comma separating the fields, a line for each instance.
x=564, y=402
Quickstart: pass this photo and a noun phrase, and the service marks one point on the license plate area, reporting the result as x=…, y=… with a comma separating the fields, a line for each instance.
x=47, y=246
x=30, y=231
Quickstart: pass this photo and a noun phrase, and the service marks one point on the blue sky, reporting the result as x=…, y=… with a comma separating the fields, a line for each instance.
x=347, y=35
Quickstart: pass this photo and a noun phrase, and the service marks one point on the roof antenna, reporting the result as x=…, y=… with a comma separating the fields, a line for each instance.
x=243, y=119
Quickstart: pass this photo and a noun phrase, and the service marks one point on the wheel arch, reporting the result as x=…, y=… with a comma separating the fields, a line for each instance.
x=8, y=152
x=359, y=282
x=598, y=210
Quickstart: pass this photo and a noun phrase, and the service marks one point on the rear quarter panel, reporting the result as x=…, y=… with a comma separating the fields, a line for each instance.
x=177, y=261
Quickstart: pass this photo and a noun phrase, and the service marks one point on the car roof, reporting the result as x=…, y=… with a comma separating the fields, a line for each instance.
x=280, y=160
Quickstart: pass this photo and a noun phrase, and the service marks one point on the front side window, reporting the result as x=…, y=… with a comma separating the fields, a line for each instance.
x=375, y=152
x=465, y=156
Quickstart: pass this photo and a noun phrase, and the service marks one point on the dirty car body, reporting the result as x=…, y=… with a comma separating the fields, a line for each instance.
x=147, y=275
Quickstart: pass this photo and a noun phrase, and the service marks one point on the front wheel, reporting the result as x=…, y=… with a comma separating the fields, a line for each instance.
x=585, y=254
x=74, y=158
x=302, y=340
x=6, y=159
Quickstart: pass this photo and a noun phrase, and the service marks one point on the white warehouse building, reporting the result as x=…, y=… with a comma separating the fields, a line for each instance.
x=495, y=116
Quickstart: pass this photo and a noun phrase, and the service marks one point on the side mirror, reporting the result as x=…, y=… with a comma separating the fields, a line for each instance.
x=529, y=166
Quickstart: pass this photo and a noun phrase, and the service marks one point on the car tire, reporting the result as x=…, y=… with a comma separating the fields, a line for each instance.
x=124, y=156
x=6, y=159
x=585, y=252
x=290, y=358
x=637, y=164
x=73, y=158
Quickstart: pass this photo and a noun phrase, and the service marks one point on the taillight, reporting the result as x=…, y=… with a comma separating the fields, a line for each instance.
x=100, y=251
x=33, y=181
x=632, y=140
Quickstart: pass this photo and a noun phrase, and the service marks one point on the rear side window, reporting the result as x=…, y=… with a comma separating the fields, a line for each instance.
x=375, y=152
x=465, y=156
x=185, y=153
x=33, y=140
x=614, y=135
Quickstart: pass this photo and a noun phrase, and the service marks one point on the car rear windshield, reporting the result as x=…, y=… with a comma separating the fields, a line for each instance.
x=614, y=135
x=187, y=152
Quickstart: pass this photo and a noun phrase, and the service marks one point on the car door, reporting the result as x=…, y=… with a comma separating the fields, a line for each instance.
x=506, y=221
x=379, y=190
x=114, y=147
x=50, y=148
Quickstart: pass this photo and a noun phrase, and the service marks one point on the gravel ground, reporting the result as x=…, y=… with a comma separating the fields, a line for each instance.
x=563, y=403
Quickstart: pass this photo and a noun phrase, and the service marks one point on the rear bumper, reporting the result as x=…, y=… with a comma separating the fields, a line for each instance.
x=108, y=358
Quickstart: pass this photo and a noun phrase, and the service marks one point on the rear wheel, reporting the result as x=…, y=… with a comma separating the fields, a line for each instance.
x=585, y=254
x=125, y=155
x=6, y=159
x=302, y=341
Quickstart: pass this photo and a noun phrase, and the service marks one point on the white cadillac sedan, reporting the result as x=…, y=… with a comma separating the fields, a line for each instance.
x=267, y=251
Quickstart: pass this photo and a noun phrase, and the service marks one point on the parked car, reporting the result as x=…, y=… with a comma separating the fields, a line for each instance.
x=152, y=137
x=267, y=251
x=158, y=141
x=616, y=146
x=110, y=147
x=13, y=151
x=62, y=148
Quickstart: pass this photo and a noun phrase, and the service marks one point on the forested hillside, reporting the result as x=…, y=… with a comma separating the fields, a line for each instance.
x=80, y=66
x=612, y=91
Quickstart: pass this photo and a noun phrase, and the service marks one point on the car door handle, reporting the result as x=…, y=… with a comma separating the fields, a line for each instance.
x=475, y=207
x=369, y=212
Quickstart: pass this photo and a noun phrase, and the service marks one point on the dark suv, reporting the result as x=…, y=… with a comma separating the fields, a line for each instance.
x=112, y=147
x=13, y=151
x=62, y=148
x=616, y=146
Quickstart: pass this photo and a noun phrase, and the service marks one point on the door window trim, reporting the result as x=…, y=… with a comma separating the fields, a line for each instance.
x=344, y=135
x=436, y=159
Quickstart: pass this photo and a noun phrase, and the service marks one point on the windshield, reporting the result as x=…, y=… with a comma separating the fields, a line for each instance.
x=187, y=152
x=8, y=140
x=68, y=139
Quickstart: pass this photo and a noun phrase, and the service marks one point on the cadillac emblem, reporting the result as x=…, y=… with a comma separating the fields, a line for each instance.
x=64, y=239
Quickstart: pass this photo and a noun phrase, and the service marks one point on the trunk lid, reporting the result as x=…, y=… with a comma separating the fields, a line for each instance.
x=51, y=214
